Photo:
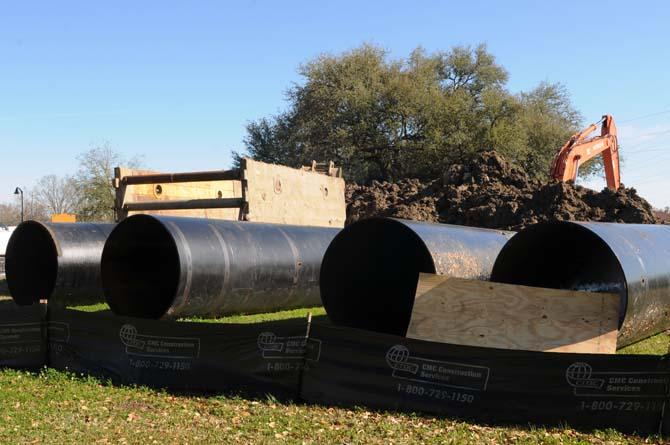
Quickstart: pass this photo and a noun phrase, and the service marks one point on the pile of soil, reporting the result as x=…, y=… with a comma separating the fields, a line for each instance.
x=490, y=192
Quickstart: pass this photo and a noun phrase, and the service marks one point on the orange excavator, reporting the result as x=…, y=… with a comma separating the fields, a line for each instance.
x=580, y=148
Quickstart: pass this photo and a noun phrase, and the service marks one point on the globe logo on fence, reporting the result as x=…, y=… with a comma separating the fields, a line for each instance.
x=397, y=355
x=578, y=372
x=128, y=335
x=267, y=340
x=580, y=375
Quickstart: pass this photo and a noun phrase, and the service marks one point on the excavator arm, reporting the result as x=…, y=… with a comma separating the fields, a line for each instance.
x=580, y=148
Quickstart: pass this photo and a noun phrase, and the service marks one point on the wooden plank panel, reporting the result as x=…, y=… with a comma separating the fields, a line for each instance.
x=190, y=204
x=286, y=195
x=274, y=193
x=179, y=191
x=496, y=315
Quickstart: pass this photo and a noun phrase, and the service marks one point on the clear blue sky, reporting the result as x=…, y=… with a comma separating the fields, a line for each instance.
x=177, y=81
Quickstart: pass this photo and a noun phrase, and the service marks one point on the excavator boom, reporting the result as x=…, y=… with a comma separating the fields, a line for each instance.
x=580, y=148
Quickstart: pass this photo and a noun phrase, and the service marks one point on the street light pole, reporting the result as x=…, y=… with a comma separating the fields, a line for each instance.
x=17, y=192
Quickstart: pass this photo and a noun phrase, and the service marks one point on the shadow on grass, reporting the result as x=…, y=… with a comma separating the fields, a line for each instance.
x=485, y=421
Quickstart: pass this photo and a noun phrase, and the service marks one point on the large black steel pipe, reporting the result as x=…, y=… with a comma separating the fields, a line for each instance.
x=370, y=271
x=168, y=267
x=632, y=260
x=53, y=261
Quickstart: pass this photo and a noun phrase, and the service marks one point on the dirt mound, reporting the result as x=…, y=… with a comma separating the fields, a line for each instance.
x=490, y=192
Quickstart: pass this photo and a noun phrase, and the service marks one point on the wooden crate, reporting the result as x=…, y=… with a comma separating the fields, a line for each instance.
x=257, y=192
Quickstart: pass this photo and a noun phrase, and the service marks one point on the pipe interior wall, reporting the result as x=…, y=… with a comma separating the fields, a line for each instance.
x=55, y=260
x=371, y=269
x=632, y=260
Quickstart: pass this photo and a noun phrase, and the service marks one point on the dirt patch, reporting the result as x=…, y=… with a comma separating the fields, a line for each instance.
x=490, y=192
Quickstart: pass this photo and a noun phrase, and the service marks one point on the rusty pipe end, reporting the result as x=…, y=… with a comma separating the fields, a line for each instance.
x=561, y=255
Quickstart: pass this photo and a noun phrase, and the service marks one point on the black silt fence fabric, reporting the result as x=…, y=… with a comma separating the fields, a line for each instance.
x=253, y=359
x=346, y=367
x=356, y=368
x=23, y=337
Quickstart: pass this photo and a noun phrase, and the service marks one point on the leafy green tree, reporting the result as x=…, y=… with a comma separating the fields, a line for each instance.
x=94, y=182
x=548, y=119
x=390, y=119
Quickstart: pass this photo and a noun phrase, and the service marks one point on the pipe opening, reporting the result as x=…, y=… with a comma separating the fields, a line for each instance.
x=369, y=275
x=140, y=268
x=561, y=255
x=31, y=263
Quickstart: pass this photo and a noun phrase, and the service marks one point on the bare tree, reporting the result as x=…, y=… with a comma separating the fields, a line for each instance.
x=10, y=214
x=57, y=194
x=34, y=209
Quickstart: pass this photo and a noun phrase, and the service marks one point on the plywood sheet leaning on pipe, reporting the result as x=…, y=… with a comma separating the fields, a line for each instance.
x=631, y=260
x=171, y=267
x=495, y=315
x=370, y=270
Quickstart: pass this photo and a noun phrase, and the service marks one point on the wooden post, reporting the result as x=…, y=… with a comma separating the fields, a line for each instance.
x=120, y=196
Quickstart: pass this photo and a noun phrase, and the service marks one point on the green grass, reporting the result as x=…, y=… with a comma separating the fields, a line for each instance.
x=254, y=318
x=258, y=318
x=656, y=345
x=95, y=307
